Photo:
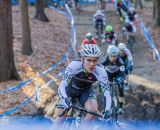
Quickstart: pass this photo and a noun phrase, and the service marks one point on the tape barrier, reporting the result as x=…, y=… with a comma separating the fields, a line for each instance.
x=56, y=9
x=69, y=16
x=87, y=2
x=73, y=29
x=46, y=85
x=63, y=59
x=150, y=41
x=17, y=87
x=14, y=2
x=15, y=109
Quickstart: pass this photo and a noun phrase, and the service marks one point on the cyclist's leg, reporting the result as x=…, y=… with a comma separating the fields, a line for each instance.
x=60, y=108
x=121, y=96
x=88, y=100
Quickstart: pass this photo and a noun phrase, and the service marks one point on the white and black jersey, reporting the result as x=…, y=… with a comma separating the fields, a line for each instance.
x=77, y=81
x=115, y=69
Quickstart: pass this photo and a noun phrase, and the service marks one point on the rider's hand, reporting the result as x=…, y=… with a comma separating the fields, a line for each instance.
x=130, y=68
x=120, y=80
x=107, y=115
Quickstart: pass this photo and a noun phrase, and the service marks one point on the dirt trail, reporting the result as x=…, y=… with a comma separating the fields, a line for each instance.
x=145, y=77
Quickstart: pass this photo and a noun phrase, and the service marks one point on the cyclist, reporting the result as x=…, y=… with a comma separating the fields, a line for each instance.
x=77, y=83
x=126, y=56
x=99, y=18
x=132, y=15
x=128, y=30
x=121, y=6
x=115, y=68
x=110, y=36
x=89, y=39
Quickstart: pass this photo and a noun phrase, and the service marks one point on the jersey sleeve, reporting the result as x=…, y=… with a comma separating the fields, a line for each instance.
x=66, y=78
x=103, y=80
x=129, y=56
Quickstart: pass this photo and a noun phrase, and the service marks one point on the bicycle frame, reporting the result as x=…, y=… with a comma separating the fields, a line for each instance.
x=115, y=103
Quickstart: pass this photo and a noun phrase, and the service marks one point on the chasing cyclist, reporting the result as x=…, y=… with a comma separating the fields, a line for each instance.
x=128, y=30
x=126, y=56
x=89, y=39
x=110, y=37
x=115, y=69
x=133, y=16
x=99, y=18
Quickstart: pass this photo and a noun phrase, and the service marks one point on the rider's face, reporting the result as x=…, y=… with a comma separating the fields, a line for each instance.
x=113, y=58
x=121, y=53
x=90, y=63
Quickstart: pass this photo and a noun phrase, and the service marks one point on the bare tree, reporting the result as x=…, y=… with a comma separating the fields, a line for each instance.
x=26, y=34
x=7, y=66
x=40, y=13
x=156, y=12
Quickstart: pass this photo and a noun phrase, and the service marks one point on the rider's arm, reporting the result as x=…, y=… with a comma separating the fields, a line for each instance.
x=129, y=56
x=121, y=68
x=66, y=79
x=104, y=20
x=134, y=28
x=104, y=86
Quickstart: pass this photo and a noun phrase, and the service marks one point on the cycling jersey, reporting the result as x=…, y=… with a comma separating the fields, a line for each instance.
x=99, y=18
x=132, y=16
x=93, y=41
x=77, y=81
x=127, y=59
x=112, y=35
x=129, y=28
x=114, y=70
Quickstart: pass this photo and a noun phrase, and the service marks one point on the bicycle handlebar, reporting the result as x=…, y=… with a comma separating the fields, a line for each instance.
x=81, y=109
x=89, y=112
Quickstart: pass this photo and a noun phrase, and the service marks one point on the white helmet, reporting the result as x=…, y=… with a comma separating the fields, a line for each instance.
x=90, y=50
x=99, y=12
x=131, y=9
x=121, y=46
x=89, y=36
x=113, y=50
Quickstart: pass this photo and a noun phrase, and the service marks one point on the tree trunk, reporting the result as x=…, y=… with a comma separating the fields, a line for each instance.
x=7, y=66
x=156, y=13
x=26, y=34
x=40, y=14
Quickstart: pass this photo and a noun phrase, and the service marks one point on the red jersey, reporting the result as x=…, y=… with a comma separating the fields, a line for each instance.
x=85, y=41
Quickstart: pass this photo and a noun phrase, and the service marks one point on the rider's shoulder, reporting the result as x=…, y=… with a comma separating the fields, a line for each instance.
x=99, y=65
x=120, y=60
x=75, y=63
x=99, y=69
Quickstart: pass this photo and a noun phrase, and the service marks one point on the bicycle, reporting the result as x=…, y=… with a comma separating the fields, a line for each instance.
x=72, y=123
x=115, y=101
